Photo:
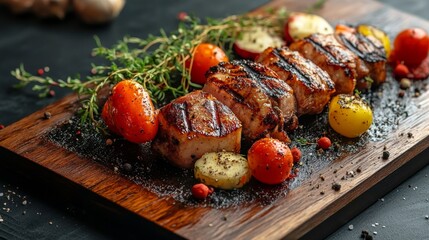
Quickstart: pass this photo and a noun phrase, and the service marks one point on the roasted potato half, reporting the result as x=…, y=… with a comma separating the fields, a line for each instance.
x=225, y=170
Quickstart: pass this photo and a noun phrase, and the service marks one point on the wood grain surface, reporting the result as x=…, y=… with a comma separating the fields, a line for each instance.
x=290, y=217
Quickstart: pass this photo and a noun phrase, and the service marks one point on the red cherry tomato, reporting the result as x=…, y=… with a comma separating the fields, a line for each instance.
x=206, y=55
x=401, y=71
x=411, y=47
x=270, y=161
x=129, y=112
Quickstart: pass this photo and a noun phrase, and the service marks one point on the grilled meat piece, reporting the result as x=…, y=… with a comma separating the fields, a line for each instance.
x=264, y=103
x=311, y=85
x=331, y=56
x=371, y=56
x=195, y=124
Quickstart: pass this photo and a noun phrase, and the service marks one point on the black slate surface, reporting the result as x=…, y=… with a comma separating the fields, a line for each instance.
x=31, y=211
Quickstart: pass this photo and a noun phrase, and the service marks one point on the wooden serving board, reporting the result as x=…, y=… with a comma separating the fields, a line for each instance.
x=303, y=207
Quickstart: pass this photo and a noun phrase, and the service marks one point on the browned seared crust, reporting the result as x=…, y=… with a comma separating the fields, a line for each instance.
x=263, y=103
x=200, y=113
x=312, y=86
x=195, y=124
x=331, y=56
x=371, y=53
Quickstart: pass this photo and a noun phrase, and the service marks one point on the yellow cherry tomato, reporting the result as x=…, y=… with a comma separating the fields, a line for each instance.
x=349, y=115
x=368, y=30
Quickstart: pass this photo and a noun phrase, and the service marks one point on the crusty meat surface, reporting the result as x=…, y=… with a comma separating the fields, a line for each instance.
x=371, y=55
x=195, y=124
x=264, y=104
x=331, y=56
x=311, y=85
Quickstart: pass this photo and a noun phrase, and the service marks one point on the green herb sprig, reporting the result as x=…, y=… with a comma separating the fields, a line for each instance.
x=158, y=62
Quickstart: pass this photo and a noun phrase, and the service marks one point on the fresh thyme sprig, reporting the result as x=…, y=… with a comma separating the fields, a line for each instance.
x=158, y=62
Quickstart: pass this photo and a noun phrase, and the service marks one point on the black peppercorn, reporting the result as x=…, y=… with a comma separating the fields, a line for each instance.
x=386, y=155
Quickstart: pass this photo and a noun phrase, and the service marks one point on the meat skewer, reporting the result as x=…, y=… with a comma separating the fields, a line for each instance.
x=195, y=124
x=311, y=85
x=327, y=53
x=264, y=104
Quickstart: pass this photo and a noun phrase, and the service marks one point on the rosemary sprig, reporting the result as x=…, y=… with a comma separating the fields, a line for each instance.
x=158, y=62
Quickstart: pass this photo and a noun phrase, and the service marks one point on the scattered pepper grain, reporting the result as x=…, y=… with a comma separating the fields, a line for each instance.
x=336, y=186
x=386, y=155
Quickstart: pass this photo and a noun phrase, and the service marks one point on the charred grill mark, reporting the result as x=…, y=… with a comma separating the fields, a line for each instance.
x=260, y=79
x=226, y=127
x=367, y=56
x=212, y=109
x=288, y=66
x=235, y=95
x=331, y=58
x=324, y=76
x=182, y=117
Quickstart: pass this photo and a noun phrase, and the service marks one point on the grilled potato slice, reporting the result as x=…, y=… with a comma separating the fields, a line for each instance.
x=225, y=170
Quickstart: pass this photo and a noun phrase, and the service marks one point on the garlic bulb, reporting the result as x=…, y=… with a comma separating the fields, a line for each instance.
x=98, y=11
x=19, y=6
x=51, y=8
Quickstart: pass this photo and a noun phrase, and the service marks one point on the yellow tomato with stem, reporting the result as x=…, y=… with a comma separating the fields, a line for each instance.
x=349, y=115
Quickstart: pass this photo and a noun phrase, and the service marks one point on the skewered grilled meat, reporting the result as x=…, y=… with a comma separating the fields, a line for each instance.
x=331, y=56
x=371, y=56
x=264, y=103
x=311, y=85
x=195, y=124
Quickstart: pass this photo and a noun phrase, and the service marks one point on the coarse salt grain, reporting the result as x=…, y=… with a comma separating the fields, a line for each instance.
x=375, y=233
x=351, y=227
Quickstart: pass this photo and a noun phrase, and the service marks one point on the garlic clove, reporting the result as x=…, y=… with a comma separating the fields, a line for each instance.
x=98, y=11
x=51, y=8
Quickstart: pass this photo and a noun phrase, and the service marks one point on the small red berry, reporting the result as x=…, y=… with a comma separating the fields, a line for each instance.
x=296, y=154
x=1, y=126
x=401, y=70
x=201, y=191
x=324, y=143
x=40, y=71
x=182, y=16
x=51, y=93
